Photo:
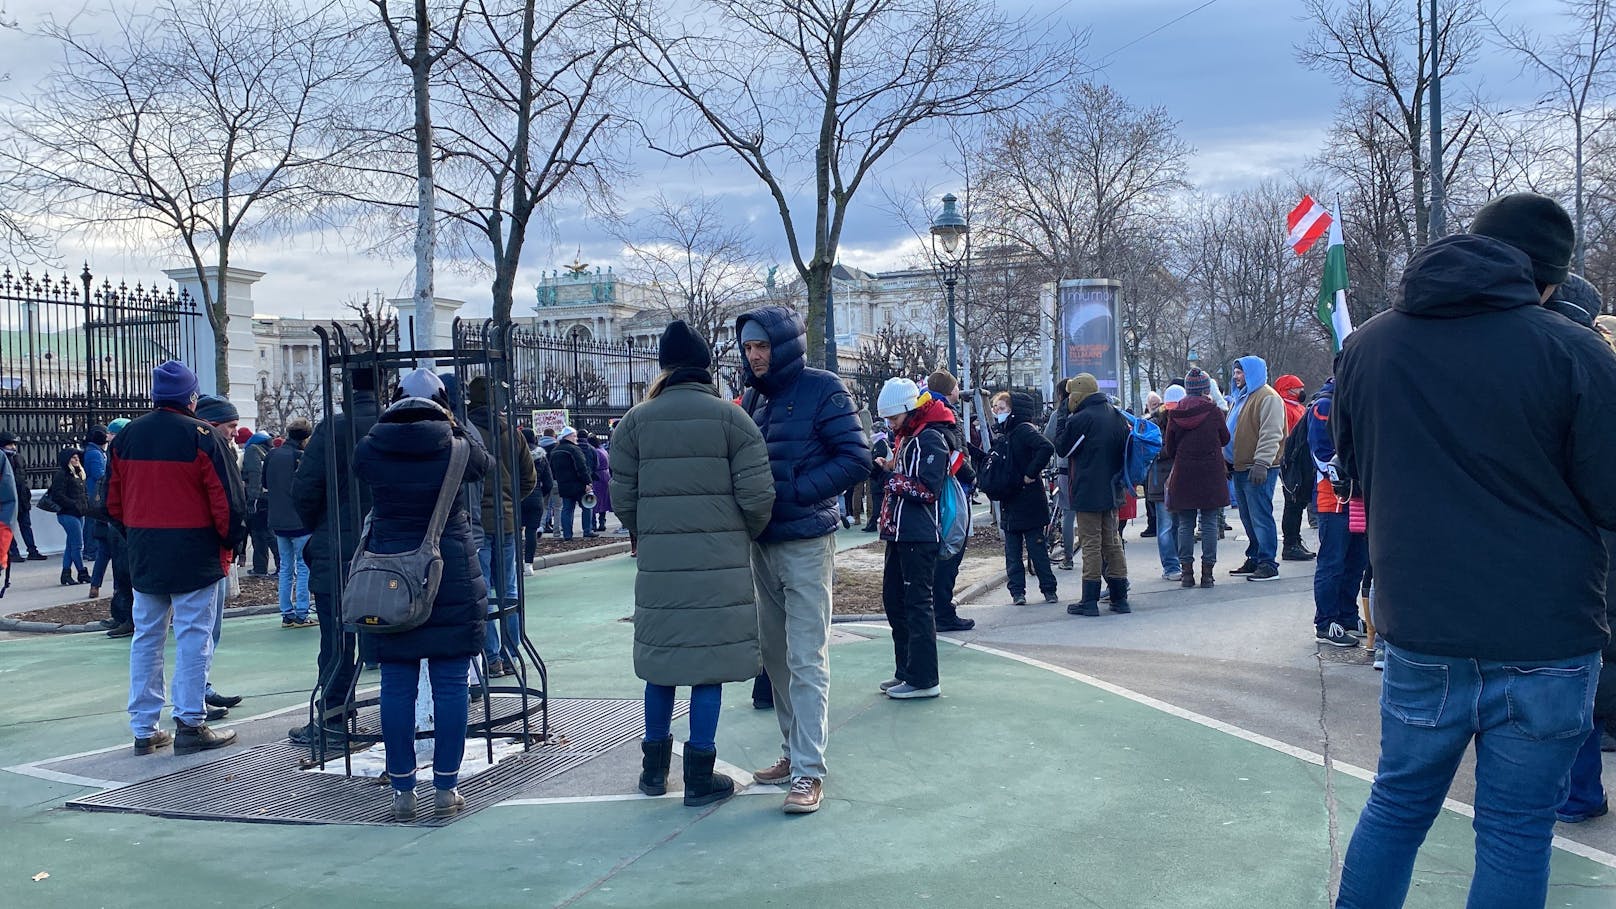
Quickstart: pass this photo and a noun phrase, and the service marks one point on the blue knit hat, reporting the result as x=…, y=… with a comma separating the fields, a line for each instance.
x=173, y=383
x=216, y=410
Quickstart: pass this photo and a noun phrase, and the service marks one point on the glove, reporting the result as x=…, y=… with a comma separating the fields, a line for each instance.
x=1258, y=474
x=1339, y=484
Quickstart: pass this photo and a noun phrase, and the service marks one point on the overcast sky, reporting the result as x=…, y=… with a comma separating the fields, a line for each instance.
x=1228, y=73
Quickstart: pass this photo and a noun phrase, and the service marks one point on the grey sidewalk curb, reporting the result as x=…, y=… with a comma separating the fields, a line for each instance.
x=581, y=555
x=975, y=590
x=554, y=561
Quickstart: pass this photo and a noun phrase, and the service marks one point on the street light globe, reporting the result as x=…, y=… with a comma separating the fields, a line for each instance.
x=950, y=227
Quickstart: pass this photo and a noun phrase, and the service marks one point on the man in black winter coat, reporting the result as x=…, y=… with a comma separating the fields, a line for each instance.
x=1024, y=513
x=1092, y=439
x=331, y=449
x=1493, y=620
x=574, y=473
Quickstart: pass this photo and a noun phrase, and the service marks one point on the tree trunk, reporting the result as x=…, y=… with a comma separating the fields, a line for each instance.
x=426, y=231
x=221, y=325
x=819, y=289
x=1577, y=153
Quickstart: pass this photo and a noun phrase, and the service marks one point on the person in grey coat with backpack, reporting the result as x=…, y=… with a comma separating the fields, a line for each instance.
x=691, y=479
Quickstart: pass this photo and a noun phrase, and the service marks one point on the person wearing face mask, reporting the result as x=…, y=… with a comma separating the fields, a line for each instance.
x=1024, y=511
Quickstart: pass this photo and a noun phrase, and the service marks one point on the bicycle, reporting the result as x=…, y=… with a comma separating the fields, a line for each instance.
x=1052, y=530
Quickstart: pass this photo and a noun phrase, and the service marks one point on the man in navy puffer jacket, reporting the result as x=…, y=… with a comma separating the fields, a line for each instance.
x=817, y=451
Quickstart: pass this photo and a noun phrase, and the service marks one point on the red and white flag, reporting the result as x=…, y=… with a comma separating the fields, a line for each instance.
x=1308, y=221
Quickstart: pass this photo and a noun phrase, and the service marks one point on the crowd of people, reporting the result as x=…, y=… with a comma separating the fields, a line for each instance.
x=733, y=506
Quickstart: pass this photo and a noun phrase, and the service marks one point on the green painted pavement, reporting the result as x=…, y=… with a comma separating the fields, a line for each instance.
x=1020, y=787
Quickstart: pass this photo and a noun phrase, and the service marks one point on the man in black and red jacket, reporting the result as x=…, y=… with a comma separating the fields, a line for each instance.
x=173, y=490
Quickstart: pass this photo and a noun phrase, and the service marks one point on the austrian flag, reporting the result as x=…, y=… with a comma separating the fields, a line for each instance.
x=1307, y=222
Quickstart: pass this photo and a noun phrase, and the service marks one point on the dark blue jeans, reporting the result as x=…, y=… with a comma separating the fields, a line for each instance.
x=449, y=709
x=1343, y=556
x=73, y=552
x=568, y=506
x=1256, y=505
x=1587, y=794
x=1166, y=537
x=503, y=637
x=1527, y=719
x=705, y=702
x=1038, y=550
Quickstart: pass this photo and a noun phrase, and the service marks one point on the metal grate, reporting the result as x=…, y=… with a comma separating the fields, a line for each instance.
x=265, y=785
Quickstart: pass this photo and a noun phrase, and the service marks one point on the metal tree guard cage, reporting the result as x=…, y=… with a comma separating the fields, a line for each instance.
x=479, y=350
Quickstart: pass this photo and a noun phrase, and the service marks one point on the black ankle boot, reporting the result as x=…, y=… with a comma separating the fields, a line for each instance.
x=1206, y=573
x=1119, y=595
x=1090, y=604
x=67, y=578
x=702, y=785
x=656, y=756
x=84, y=576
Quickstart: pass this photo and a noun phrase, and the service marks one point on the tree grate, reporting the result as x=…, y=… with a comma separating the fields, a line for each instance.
x=265, y=785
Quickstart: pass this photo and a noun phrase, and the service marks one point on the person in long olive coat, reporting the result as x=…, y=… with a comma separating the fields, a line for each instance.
x=691, y=479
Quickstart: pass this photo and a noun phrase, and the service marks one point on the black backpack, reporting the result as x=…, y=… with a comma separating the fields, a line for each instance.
x=1296, y=471
x=999, y=479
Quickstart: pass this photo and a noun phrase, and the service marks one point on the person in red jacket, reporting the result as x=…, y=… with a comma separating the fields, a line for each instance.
x=1293, y=394
x=173, y=491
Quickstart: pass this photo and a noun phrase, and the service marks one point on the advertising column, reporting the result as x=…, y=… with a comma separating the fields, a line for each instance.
x=1089, y=338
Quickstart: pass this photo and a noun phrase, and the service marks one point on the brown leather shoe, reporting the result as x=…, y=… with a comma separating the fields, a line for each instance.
x=778, y=772
x=804, y=796
x=158, y=739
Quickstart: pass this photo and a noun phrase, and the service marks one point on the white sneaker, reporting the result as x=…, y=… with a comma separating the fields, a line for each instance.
x=529, y=570
x=1171, y=575
x=889, y=684
x=905, y=691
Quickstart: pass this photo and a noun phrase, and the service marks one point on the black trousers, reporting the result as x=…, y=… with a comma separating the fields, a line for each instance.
x=263, y=542
x=1037, y=549
x=336, y=663
x=906, y=596
x=1290, y=523
x=942, y=587
x=25, y=523
x=123, y=589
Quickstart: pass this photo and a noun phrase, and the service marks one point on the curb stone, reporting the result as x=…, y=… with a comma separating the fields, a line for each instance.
x=581, y=555
x=975, y=590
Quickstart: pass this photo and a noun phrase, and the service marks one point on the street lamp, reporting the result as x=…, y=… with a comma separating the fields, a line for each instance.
x=947, y=232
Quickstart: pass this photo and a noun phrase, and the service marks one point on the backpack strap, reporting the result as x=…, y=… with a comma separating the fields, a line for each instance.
x=460, y=452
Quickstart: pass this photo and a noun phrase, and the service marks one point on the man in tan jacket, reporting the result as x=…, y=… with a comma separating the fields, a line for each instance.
x=1256, y=430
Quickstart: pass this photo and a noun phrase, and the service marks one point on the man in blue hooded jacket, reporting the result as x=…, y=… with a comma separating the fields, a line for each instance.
x=817, y=451
x=1256, y=431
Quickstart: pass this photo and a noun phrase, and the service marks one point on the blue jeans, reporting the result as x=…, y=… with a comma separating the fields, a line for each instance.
x=498, y=639
x=568, y=506
x=1587, y=790
x=1256, y=505
x=221, y=593
x=705, y=701
x=1166, y=537
x=1184, y=524
x=73, y=553
x=294, y=577
x=1527, y=719
x=449, y=707
x=193, y=618
x=1343, y=556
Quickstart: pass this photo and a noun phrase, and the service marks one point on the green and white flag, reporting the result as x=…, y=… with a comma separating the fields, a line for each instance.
x=1333, y=291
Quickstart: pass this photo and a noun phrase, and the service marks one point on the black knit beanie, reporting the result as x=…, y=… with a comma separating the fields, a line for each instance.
x=1535, y=225
x=681, y=347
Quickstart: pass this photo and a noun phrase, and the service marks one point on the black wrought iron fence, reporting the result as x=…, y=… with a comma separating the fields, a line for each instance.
x=74, y=354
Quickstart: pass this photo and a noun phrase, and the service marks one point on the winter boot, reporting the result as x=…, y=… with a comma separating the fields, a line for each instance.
x=84, y=576
x=702, y=785
x=1206, y=573
x=191, y=739
x=1186, y=578
x=1119, y=595
x=654, y=766
x=1090, y=604
x=67, y=578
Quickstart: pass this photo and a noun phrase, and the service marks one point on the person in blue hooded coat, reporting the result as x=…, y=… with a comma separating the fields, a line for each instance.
x=817, y=451
x=403, y=460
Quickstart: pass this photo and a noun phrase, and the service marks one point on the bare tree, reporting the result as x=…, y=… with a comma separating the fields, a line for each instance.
x=524, y=109
x=416, y=30
x=289, y=398
x=1005, y=287
x=1580, y=65
x=197, y=121
x=698, y=268
x=898, y=351
x=1383, y=48
x=833, y=85
x=375, y=323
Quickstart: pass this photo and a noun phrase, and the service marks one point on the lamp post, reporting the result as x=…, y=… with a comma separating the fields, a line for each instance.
x=947, y=231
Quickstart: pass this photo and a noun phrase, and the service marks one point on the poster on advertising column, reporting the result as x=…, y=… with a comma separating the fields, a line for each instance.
x=1090, y=339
